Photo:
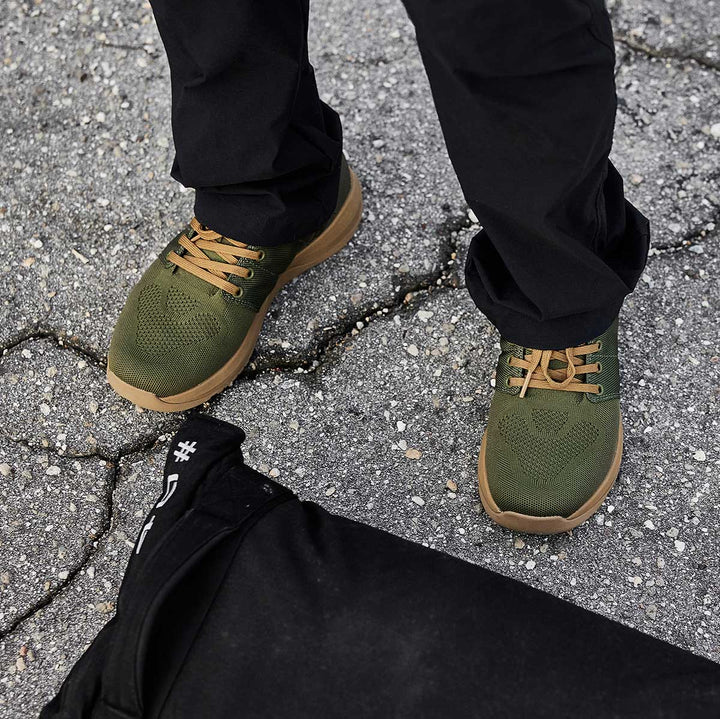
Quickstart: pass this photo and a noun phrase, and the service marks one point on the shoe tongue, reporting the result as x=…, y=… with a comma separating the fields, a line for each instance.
x=562, y=365
x=557, y=364
x=553, y=364
x=214, y=255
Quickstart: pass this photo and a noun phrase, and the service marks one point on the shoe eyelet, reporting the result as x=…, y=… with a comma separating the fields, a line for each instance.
x=600, y=389
x=251, y=274
x=599, y=344
x=507, y=381
x=261, y=255
x=240, y=292
x=599, y=367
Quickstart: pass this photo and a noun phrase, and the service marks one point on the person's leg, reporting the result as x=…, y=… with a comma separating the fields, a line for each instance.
x=525, y=93
x=274, y=197
x=526, y=97
x=251, y=133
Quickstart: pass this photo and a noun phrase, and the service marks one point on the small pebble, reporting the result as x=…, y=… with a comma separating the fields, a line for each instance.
x=419, y=501
x=79, y=255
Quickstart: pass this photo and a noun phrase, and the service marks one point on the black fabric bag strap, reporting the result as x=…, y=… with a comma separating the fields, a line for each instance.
x=217, y=498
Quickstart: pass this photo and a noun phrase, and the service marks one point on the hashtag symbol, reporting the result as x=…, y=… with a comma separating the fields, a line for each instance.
x=182, y=453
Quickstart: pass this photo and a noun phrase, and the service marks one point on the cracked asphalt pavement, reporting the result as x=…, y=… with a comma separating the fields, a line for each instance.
x=371, y=355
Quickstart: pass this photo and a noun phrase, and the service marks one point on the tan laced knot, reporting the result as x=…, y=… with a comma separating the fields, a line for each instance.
x=539, y=375
x=213, y=271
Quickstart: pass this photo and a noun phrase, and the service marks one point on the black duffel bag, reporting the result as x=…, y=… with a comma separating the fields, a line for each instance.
x=241, y=601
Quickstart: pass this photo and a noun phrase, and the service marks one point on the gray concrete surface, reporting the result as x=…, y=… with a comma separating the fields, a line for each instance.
x=374, y=353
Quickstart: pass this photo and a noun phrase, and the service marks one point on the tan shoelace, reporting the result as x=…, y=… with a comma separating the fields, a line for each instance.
x=213, y=271
x=540, y=376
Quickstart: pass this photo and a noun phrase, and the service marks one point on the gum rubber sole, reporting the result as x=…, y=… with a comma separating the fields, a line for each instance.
x=337, y=234
x=547, y=525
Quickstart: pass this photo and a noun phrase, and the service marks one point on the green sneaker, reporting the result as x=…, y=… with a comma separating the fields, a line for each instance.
x=552, y=448
x=191, y=323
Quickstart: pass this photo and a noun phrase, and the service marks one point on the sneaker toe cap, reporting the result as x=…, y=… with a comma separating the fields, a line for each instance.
x=164, y=352
x=543, y=474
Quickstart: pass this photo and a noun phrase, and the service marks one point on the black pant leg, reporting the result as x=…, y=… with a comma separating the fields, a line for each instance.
x=251, y=134
x=526, y=97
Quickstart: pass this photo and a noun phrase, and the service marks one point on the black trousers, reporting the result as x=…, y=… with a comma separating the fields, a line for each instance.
x=526, y=98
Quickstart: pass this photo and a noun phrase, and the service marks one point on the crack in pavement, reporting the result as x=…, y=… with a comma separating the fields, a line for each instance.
x=692, y=237
x=50, y=450
x=38, y=332
x=664, y=53
x=92, y=546
x=338, y=334
x=444, y=278
x=89, y=551
x=142, y=444
x=325, y=356
x=672, y=248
